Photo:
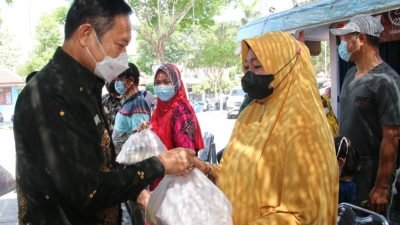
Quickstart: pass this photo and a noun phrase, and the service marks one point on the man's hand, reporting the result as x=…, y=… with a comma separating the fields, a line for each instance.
x=378, y=199
x=178, y=161
x=379, y=195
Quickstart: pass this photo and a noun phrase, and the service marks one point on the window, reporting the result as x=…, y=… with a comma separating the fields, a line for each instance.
x=5, y=96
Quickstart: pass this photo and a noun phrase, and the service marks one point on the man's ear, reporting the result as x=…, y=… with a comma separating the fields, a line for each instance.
x=363, y=38
x=84, y=32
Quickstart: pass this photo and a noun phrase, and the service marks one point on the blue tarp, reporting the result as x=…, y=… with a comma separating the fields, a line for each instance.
x=315, y=14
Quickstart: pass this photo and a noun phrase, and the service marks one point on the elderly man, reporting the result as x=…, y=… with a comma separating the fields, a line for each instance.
x=370, y=109
x=66, y=172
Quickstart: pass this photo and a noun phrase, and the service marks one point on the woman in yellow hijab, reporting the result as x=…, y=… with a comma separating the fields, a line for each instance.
x=279, y=167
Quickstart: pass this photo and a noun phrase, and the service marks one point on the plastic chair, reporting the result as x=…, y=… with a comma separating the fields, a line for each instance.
x=349, y=214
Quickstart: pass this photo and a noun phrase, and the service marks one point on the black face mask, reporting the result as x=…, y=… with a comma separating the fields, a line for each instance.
x=257, y=86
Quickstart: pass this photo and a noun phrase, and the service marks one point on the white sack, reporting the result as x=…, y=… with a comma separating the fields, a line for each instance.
x=140, y=146
x=188, y=200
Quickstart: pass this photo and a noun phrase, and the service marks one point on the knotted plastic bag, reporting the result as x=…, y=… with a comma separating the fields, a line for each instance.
x=140, y=146
x=188, y=200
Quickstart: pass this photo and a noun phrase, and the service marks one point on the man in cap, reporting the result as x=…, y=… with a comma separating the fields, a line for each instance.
x=369, y=109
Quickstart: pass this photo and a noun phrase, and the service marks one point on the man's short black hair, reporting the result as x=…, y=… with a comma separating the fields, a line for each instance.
x=132, y=72
x=111, y=88
x=99, y=13
x=30, y=75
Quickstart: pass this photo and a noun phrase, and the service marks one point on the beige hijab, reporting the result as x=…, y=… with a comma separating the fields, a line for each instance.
x=280, y=166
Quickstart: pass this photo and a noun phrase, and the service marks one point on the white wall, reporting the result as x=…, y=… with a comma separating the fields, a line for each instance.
x=335, y=79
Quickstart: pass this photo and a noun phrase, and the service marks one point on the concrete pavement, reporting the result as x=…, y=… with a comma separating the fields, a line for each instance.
x=217, y=123
x=8, y=202
x=8, y=209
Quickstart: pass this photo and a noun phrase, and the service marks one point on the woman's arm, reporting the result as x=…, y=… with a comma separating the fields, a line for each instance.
x=210, y=170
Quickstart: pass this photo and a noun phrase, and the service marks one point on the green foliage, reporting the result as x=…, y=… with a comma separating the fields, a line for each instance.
x=208, y=87
x=164, y=36
x=145, y=57
x=8, y=50
x=249, y=10
x=203, y=86
x=200, y=12
x=160, y=20
x=216, y=55
x=203, y=13
x=218, y=48
x=179, y=49
x=48, y=37
x=321, y=62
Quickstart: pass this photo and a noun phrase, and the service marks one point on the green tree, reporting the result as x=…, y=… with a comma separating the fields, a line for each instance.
x=249, y=10
x=179, y=49
x=8, y=51
x=48, y=36
x=145, y=58
x=321, y=62
x=159, y=20
x=216, y=55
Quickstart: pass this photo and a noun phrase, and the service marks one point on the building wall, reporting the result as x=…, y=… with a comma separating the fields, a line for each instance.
x=335, y=78
x=8, y=109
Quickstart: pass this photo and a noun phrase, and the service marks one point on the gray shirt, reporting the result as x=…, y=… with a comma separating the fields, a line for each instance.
x=367, y=103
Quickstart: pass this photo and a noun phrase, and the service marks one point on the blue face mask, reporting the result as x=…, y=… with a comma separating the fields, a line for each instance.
x=343, y=52
x=164, y=92
x=120, y=87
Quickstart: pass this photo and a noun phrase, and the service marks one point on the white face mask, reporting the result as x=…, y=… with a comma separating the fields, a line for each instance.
x=109, y=68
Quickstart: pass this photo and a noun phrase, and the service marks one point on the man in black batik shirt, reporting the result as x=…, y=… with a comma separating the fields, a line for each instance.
x=66, y=171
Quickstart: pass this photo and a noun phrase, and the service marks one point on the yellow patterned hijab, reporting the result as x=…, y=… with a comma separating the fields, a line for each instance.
x=279, y=166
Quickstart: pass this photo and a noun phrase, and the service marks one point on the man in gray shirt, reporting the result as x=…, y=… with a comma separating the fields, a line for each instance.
x=370, y=110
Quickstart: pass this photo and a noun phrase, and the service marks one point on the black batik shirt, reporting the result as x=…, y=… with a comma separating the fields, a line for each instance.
x=111, y=106
x=65, y=158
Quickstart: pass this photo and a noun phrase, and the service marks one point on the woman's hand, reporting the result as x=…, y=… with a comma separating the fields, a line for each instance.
x=178, y=161
x=143, y=198
x=144, y=125
x=202, y=166
x=206, y=168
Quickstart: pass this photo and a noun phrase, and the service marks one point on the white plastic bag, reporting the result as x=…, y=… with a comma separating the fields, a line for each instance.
x=188, y=200
x=140, y=146
x=7, y=181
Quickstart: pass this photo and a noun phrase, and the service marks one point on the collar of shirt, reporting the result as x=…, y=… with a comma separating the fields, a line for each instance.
x=139, y=93
x=84, y=79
